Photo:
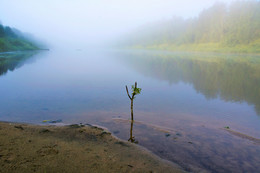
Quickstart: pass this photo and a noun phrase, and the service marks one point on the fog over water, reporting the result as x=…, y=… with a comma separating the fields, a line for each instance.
x=200, y=110
x=80, y=23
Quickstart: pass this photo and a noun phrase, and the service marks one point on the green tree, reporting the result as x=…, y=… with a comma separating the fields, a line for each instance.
x=9, y=32
x=2, y=31
x=235, y=27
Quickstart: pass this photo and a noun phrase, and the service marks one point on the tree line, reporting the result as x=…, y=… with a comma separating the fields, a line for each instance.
x=221, y=26
x=6, y=31
x=12, y=39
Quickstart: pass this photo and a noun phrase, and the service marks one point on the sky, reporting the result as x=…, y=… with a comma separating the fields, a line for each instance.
x=79, y=23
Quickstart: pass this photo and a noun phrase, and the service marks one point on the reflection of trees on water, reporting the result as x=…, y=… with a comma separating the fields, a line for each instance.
x=12, y=61
x=230, y=77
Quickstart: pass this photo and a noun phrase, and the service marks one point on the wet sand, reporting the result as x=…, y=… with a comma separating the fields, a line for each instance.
x=74, y=148
x=244, y=136
x=197, y=147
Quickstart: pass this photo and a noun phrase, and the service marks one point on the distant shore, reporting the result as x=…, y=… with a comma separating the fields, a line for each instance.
x=207, y=47
x=73, y=148
x=16, y=51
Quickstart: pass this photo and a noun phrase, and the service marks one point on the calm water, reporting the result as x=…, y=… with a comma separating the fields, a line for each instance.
x=186, y=101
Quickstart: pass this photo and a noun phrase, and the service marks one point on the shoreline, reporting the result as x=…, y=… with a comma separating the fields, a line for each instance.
x=191, y=51
x=69, y=148
x=20, y=51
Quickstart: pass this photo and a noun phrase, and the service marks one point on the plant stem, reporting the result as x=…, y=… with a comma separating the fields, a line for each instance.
x=132, y=111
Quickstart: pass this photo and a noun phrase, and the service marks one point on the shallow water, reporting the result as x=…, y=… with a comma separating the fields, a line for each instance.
x=187, y=99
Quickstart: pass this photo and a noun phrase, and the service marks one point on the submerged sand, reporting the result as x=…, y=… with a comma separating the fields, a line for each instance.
x=74, y=148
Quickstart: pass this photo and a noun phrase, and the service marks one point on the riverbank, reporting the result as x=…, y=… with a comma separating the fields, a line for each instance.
x=74, y=148
x=16, y=44
x=252, y=48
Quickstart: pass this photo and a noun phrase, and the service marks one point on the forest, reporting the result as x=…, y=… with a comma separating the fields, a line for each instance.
x=220, y=28
x=12, y=39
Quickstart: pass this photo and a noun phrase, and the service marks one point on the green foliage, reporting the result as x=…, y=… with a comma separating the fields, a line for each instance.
x=136, y=91
x=9, y=41
x=9, y=32
x=2, y=31
x=15, y=44
x=220, y=28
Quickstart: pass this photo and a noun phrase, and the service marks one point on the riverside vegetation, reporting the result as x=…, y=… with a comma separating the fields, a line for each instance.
x=220, y=28
x=12, y=39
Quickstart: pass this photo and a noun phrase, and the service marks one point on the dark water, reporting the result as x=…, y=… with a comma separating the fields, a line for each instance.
x=186, y=101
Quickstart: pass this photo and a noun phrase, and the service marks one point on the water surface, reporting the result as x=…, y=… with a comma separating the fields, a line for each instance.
x=186, y=101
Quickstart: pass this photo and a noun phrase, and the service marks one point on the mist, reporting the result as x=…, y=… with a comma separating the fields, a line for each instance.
x=80, y=23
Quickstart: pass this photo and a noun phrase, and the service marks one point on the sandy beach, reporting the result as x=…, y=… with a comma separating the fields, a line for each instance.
x=73, y=148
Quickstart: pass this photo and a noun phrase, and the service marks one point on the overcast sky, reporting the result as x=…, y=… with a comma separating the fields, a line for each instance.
x=77, y=23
